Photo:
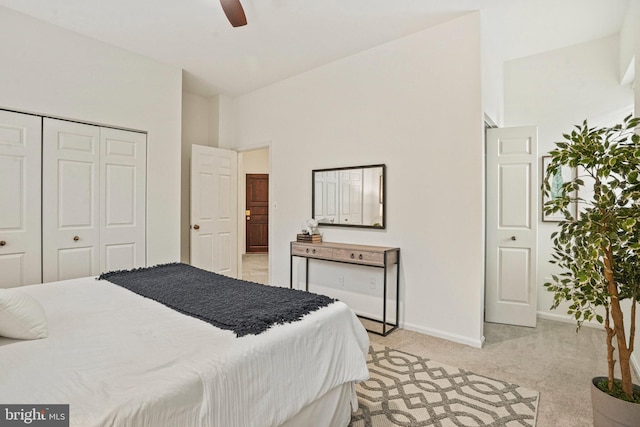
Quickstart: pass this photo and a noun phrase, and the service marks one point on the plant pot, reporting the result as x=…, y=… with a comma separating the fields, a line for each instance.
x=609, y=411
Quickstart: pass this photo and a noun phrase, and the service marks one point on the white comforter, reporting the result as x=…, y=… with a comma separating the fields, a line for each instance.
x=120, y=359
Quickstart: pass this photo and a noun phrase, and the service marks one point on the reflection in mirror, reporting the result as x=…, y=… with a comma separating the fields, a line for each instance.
x=349, y=196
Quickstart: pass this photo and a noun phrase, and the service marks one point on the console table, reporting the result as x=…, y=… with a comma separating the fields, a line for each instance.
x=372, y=256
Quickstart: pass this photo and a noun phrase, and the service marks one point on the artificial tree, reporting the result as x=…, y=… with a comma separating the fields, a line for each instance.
x=598, y=249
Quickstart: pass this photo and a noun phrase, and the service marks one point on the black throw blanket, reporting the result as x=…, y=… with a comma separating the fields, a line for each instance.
x=237, y=305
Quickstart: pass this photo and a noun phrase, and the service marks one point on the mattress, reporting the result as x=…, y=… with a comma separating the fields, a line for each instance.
x=119, y=359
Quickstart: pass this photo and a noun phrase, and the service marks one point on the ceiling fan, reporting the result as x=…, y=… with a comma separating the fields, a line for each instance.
x=234, y=11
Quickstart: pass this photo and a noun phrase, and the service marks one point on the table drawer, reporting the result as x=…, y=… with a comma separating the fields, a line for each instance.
x=310, y=251
x=360, y=257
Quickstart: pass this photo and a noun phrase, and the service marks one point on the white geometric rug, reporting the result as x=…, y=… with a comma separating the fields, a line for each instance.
x=408, y=390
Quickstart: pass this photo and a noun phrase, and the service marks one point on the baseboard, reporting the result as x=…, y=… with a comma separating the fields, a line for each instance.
x=444, y=335
x=427, y=331
x=565, y=318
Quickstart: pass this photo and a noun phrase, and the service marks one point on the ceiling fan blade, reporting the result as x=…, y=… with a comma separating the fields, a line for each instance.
x=234, y=11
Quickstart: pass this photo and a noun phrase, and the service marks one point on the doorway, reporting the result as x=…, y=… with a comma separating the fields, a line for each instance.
x=253, y=213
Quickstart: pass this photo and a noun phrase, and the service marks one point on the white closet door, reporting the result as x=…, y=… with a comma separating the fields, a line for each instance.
x=326, y=193
x=351, y=197
x=20, y=162
x=71, y=211
x=122, y=189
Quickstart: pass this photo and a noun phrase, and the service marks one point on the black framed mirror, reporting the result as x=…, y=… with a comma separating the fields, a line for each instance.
x=352, y=196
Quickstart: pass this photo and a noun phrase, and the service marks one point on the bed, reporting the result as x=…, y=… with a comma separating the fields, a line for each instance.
x=121, y=359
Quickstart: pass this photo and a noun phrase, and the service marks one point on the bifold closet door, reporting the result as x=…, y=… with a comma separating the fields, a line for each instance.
x=123, y=195
x=20, y=163
x=70, y=200
x=94, y=200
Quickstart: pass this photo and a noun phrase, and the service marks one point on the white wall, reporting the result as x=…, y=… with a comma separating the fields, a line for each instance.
x=195, y=119
x=492, y=68
x=558, y=89
x=630, y=42
x=255, y=161
x=214, y=121
x=51, y=71
x=415, y=105
x=227, y=122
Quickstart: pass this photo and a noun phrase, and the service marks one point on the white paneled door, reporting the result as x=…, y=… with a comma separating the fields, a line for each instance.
x=351, y=197
x=512, y=222
x=325, y=205
x=20, y=163
x=70, y=197
x=122, y=190
x=214, y=194
x=93, y=200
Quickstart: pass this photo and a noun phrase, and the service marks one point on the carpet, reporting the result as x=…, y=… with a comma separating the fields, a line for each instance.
x=409, y=390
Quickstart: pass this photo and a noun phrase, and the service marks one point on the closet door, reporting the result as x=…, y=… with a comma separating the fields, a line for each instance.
x=122, y=190
x=20, y=163
x=71, y=210
x=351, y=197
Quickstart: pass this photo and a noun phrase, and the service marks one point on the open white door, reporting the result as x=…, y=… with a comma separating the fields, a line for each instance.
x=512, y=222
x=214, y=194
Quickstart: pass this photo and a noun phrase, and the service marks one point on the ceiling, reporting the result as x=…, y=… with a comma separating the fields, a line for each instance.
x=287, y=37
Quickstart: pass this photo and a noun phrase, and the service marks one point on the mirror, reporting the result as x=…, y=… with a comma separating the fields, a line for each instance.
x=349, y=196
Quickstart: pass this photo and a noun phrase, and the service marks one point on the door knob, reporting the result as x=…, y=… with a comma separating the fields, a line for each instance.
x=76, y=238
x=196, y=227
x=513, y=237
x=2, y=243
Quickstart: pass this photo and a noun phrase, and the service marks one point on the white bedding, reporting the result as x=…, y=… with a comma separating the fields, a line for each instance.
x=120, y=359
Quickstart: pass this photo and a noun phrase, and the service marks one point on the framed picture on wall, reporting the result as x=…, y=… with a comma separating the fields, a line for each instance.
x=565, y=174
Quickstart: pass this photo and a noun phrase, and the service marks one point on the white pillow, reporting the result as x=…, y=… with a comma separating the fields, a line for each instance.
x=21, y=316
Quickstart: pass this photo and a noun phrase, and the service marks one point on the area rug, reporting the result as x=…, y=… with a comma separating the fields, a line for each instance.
x=409, y=390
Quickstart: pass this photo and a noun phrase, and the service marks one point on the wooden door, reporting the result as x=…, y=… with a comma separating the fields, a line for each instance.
x=512, y=222
x=70, y=200
x=20, y=164
x=214, y=207
x=257, y=213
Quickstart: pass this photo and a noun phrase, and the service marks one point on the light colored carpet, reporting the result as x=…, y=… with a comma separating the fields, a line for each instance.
x=409, y=390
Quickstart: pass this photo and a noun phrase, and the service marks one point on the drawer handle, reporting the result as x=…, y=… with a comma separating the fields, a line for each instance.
x=353, y=256
x=307, y=250
x=360, y=256
x=76, y=238
x=314, y=251
x=2, y=243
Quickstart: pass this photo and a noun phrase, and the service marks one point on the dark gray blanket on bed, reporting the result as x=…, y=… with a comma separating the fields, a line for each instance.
x=243, y=307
